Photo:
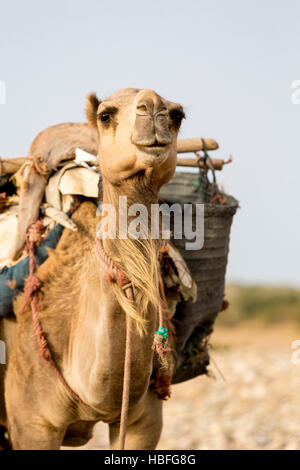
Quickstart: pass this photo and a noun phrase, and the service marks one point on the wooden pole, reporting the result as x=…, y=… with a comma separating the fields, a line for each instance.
x=191, y=162
x=8, y=166
x=195, y=145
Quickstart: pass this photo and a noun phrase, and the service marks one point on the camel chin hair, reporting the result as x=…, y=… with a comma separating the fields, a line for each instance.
x=138, y=259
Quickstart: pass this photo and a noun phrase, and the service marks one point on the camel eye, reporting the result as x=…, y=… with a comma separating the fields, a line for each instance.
x=108, y=115
x=105, y=117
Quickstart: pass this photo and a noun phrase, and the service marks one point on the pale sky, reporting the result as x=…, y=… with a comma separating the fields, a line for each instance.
x=231, y=64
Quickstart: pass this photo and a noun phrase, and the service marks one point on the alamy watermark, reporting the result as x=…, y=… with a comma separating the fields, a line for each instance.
x=2, y=92
x=133, y=222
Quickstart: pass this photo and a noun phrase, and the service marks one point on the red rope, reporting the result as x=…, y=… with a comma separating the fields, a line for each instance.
x=114, y=274
x=33, y=297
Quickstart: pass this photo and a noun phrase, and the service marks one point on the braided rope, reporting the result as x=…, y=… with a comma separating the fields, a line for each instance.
x=33, y=296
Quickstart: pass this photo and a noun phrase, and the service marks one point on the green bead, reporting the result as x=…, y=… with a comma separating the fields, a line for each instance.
x=162, y=331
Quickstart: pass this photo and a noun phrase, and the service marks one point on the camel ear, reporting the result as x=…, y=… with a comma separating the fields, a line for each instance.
x=91, y=107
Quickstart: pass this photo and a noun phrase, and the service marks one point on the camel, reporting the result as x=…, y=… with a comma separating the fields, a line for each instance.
x=83, y=313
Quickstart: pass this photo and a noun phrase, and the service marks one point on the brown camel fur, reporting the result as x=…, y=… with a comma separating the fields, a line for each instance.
x=82, y=312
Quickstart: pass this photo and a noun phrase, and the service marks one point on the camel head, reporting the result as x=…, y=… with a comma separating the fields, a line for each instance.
x=137, y=133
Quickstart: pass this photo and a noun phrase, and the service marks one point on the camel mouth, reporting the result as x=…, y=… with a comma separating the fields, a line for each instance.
x=156, y=149
x=157, y=144
x=152, y=155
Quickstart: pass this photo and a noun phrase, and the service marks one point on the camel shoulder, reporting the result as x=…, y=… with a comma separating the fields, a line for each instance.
x=73, y=246
x=62, y=268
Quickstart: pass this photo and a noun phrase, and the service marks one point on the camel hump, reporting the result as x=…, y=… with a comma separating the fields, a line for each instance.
x=57, y=143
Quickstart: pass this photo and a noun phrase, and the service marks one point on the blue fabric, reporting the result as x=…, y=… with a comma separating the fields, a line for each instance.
x=17, y=273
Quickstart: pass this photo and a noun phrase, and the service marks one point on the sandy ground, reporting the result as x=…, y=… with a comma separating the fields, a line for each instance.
x=257, y=407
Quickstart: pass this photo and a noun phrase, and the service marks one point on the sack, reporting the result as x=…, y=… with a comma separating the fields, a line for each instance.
x=194, y=322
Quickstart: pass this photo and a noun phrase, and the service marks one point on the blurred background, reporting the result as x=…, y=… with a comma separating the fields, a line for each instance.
x=234, y=67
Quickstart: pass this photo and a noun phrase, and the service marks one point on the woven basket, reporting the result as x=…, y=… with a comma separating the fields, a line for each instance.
x=194, y=322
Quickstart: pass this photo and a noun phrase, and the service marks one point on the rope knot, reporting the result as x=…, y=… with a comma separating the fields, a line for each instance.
x=33, y=285
x=161, y=346
x=122, y=280
x=162, y=351
x=34, y=233
x=113, y=274
x=31, y=289
x=45, y=354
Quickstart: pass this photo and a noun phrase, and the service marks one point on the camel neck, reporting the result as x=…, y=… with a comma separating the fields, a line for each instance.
x=99, y=332
x=137, y=190
x=127, y=212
